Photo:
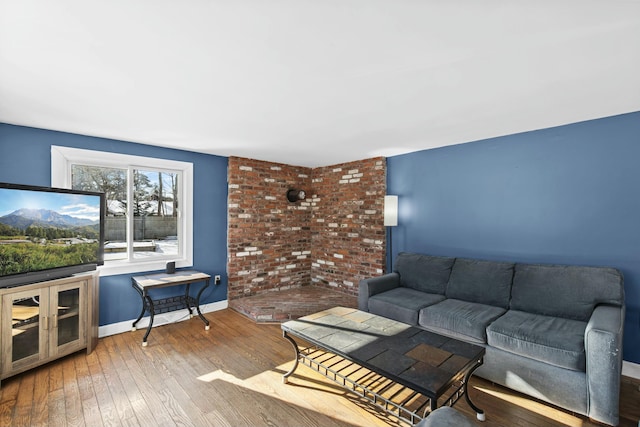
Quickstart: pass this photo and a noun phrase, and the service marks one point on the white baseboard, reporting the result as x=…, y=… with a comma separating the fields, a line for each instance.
x=160, y=319
x=630, y=369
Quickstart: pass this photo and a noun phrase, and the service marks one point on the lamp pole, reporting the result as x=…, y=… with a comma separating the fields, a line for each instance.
x=390, y=220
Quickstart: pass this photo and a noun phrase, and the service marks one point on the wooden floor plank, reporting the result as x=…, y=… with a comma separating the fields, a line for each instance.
x=8, y=400
x=57, y=407
x=230, y=375
x=107, y=389
x=122, y=410
x=24, y=401
x=88, y=399
x=135, y=409
x=144, y=377
x=56, y=380
x=72, y=401
x=40, y=408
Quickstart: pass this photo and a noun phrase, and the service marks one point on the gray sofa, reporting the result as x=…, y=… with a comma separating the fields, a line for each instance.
x=553, y=332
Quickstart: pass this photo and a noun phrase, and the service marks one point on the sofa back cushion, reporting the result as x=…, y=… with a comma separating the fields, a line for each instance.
x=484, y=282
x=424, y=272
x=565, y=291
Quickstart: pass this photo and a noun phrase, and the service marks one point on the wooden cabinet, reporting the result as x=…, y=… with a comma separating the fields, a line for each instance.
x=43, y=321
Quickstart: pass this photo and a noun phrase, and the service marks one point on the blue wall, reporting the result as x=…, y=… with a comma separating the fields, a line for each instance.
x=568, y=194
x=25, y=158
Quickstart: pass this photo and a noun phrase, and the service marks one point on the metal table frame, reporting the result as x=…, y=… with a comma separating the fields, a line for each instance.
x=143, y=284
x=315, y=356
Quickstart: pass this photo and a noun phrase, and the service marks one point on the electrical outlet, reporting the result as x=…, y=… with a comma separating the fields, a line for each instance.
x=216, y=279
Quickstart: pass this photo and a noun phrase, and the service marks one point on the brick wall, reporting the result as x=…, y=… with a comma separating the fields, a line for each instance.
x=333, y=238
x=348, y=235
x=269, y=238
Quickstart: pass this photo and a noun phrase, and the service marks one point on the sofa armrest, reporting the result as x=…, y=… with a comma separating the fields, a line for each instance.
x=375, y=285
x=603, y=349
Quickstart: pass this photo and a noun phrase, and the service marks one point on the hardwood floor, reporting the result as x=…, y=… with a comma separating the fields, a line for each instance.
x=230, y=375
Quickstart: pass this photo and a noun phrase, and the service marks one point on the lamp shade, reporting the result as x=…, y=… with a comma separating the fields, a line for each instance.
x=390, y=211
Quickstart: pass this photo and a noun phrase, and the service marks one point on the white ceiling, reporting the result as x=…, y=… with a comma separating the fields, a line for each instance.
x=315, y=82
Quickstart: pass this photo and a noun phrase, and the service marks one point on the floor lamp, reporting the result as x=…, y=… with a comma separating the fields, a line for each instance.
x=390, y=220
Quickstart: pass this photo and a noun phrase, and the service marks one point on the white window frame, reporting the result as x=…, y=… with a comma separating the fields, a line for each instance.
x=63, y=157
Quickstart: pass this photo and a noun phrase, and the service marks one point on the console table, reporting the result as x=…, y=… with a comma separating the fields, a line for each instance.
x=143, y=284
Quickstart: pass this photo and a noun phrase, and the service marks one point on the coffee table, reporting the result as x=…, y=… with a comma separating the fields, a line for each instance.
x=376, y=357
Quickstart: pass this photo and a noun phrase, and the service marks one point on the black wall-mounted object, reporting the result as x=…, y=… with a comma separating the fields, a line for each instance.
x=294, y=195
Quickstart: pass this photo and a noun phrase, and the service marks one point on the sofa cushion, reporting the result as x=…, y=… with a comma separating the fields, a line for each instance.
x=402, y=304
x=554, y=340
x=460, y=319
x=484, y=282
x=565, y=291
x=424, y=272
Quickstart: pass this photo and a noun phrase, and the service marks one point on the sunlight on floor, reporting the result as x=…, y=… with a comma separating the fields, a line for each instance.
x=269, y=383
x=533, y=406
x=220, y=375
x=329, y=400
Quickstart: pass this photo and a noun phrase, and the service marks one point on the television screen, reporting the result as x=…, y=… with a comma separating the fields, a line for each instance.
x=47, y=233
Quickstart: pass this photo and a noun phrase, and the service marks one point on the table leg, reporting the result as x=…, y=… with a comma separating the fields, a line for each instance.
x=285, y=377
x=204, y=319
x=433, y=404
x=187, y=300
x=480, y=415
x=151, y=315
x=133, y=327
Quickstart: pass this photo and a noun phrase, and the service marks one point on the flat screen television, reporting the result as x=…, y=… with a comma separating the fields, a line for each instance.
x=48, y=233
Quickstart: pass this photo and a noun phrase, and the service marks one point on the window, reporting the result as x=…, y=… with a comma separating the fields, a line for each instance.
x=149, y=205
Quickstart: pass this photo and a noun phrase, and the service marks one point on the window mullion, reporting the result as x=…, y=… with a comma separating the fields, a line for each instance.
x=130, y=218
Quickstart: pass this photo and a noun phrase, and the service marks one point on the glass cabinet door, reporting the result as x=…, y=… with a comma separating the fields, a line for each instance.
x=67, y=324
x=25, y=314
